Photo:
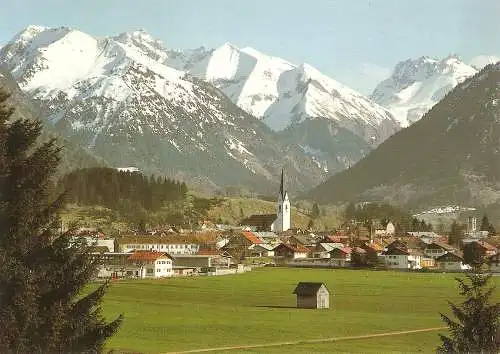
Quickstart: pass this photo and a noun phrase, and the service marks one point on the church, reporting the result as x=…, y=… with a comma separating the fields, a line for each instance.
x=278, y=222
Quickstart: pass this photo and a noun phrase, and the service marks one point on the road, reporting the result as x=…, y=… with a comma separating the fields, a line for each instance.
x=307, y=341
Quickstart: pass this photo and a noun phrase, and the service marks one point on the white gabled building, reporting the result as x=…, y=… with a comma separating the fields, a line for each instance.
x=397, y=258
x=152, y=264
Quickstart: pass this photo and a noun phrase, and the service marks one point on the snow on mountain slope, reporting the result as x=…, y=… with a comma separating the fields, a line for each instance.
x=246, y=76
x=283, y=94
x=305, y=93
x=116, y=96
x=415, y=86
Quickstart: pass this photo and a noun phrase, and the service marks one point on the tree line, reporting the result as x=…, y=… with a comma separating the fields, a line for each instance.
x=120, y=190
x=368, y=213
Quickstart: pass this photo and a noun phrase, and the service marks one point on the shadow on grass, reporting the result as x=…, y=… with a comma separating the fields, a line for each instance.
x=277, y=307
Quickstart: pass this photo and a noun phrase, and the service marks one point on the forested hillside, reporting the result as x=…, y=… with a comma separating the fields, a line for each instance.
x=118, y=190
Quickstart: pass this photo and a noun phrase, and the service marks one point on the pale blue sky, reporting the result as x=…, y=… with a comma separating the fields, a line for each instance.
x=355, y=41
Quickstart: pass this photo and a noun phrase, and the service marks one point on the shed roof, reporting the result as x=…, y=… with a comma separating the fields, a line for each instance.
x=308, y=288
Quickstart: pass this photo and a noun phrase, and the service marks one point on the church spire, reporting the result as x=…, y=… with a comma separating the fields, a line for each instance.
x=282, y=185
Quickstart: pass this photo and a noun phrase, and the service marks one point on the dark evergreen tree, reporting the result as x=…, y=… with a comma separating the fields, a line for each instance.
x=485, y=223
x=42, y=274
x=473, y=253
x=315, y=212
x=477, y=325
x=487, y=226
x=456, y=234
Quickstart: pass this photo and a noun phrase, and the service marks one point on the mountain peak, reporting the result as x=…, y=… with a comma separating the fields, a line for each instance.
x=228, y=46
x=417, y=84
x=144, y=42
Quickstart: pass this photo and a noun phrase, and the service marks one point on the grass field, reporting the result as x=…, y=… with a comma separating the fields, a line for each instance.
x=258, y=307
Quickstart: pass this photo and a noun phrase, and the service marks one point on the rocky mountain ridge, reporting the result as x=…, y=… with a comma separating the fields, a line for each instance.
x=118, y=100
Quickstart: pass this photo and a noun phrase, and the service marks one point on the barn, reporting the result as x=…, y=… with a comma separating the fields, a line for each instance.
x=312, y=295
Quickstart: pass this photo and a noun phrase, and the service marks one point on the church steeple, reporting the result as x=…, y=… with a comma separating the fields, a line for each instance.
x=282, y=222
x=282, y=185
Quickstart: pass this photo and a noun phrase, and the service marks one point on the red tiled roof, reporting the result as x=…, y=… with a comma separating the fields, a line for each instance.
x=145, y=256
x=486, y=245
x=252, y=237
x=207, y=252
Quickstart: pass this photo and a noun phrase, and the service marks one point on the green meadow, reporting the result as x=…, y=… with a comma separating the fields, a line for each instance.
x=257, y=307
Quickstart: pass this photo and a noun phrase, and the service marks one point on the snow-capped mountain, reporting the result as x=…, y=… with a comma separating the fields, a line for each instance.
x=416, y=85
x=116, y=96
x=284, y=94
x=451, y=157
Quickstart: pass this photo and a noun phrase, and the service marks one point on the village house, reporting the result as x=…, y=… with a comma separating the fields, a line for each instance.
x=151, y=264
x=340, y=257
x=323, y=249
x=451, y=261
x=261, y=250
x=287, y=251
x=242, y=244
x=312, y=295
x=399, y=258
x=436, y=249
x=306, y=240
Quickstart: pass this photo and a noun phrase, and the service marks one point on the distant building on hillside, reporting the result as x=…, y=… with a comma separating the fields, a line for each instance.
x=279, y=222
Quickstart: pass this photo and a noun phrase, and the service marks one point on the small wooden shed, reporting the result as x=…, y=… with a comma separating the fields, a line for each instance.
x=312, y=295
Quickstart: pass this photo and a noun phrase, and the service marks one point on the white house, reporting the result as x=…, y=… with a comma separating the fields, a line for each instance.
x=152, y=264
x=389, y=230
x=397, y=258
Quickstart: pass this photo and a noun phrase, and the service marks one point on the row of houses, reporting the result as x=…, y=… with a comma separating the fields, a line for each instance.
x=203, y=252
x=413, y=252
